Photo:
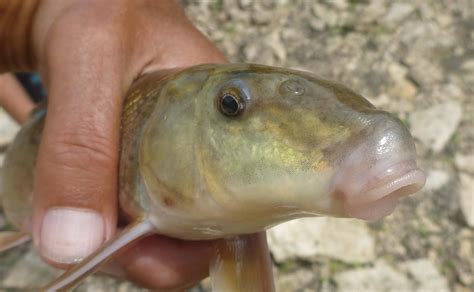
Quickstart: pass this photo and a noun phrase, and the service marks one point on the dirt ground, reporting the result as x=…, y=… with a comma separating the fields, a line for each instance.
x=414, y=59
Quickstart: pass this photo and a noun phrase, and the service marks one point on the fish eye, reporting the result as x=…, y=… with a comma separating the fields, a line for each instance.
x=231, y=105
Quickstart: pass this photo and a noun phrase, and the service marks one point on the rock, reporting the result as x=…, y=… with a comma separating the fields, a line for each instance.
x=434, y=126
x=381, y=277
x=245, y=3
x=266, y=50
x=402, y=87
x=398, y=11
x=425, y=275
x=317, y=24
x=464, y=162
x=295, y=281
x=461, y=288
x=465, y=251
x=347, y=240
x=262, y=16
x=104, y=284
x=8, y=128
x=467, y=198
x=328, y=16
x=274, y=41
x=29, y=272
x=436, y=179
x=253, y=50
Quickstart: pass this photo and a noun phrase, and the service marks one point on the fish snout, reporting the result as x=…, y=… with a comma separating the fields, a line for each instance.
x=379, y=171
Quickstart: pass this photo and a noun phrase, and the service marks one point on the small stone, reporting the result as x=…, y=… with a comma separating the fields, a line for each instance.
x=251, y=51
x=317, y=24
x=436, y=179
x=467, y=198
x=381, y=277
x=426, y=276
x=328, y=16
x=8, y=128
x=29, y=272
x=434, y=126
x=245, y=3
x=398, y=11
x=98, y=283
x=261, y=16
x=468, y=65
x=274, y=41
x=465, y=245
x=461, y=288
x=464, y=162
x=296, y=280
x=340, y=4
x=348, y=240
x=402, y=87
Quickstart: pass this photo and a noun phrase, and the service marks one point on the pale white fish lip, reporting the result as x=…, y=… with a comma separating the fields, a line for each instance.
x=384, y=187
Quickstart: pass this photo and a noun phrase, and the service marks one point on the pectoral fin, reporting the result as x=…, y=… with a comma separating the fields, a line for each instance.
x=11, y=239
x=89, y=265
x=242, y=263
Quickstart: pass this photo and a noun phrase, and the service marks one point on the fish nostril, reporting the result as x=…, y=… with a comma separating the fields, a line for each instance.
x=292, y=87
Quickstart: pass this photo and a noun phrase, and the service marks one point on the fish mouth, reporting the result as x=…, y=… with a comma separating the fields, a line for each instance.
x=383, y=185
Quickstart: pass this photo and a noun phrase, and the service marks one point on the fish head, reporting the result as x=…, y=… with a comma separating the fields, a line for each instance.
x=258, y=145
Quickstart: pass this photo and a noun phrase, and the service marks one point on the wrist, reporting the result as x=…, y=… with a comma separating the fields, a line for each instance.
x=16, y=49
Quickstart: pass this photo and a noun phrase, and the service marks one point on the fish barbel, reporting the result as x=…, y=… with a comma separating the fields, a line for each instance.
x=226, y=151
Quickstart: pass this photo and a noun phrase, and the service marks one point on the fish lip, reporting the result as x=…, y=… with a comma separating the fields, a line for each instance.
x=386, y=181
x=404, y=178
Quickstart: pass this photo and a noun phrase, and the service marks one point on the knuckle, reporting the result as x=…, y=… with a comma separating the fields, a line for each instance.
x=84, y=149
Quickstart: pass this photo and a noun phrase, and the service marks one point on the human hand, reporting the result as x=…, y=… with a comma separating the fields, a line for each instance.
x=88, y=53
x=14, y=98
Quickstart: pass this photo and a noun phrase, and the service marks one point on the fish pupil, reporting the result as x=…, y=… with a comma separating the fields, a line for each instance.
x=230, y=105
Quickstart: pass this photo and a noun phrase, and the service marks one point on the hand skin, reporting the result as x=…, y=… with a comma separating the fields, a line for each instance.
x=88, y=53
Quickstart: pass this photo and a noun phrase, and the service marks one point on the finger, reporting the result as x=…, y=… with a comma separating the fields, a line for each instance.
x=76, y=175
x=159, y=262
x=14, y=98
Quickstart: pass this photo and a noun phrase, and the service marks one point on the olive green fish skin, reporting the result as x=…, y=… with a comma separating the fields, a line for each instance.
x=197, y=173
x=206, y=175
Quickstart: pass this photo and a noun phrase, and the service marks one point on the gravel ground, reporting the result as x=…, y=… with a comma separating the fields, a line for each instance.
x=413, y=58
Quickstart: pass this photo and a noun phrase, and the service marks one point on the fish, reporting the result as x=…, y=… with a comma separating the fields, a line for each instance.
x=226, y=151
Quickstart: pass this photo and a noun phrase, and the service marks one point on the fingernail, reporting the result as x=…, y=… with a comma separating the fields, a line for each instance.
x=68, y=234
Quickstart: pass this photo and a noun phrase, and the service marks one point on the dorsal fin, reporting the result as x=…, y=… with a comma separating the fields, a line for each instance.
x=89, y=265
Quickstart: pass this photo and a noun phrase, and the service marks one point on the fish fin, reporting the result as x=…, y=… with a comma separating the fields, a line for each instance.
x=242, y=263
x=11, y=239
x=90, y=264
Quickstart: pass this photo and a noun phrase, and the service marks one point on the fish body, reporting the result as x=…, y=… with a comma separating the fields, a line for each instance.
x=220, y=151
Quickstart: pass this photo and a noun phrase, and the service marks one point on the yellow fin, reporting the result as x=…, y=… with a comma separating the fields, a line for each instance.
x=89, y=265
x=242, y=263
x=11, y=239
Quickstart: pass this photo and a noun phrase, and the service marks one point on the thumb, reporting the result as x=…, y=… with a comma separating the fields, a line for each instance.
x=75, y=202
